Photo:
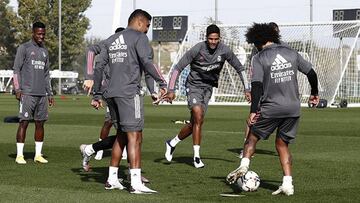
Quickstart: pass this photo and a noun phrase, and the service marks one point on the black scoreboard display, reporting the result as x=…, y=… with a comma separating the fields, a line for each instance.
x=346, y=14
x=169, y=28
x=345, y=30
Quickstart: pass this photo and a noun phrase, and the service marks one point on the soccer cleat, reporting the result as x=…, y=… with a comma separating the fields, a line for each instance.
x=114, y=185
x=144, y=180
x=40, y=159
x=99, y=155
x=241, y=154
x=141, y=189
x=198, y=163
x=20, y=160
x=237, y=173
x=86, y=158
x=169, y=151
x=285, y=189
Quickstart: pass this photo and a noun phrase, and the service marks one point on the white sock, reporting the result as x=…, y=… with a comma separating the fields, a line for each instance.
x=89, y=150
x=287, y=180
x=135, y=177
x=113, y=174
x=124, y=153
x=245, y=162
x=196, y=151
x=19, y=149
x=100, y=139
x=175, y=141
x=38, y=148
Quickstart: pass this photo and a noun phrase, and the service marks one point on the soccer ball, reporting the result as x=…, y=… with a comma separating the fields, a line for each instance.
x=249, y=182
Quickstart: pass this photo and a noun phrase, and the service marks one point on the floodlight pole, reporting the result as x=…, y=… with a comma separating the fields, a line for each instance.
x=60, y=46
x=216, y=11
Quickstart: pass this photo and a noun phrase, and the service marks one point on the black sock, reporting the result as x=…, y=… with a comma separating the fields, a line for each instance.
x=106, y=143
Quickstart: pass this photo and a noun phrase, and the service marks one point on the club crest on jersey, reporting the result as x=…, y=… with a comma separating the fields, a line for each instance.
x=119, y=43
x=32, y=53
x=194, y=101
x=219, y=58
x=44, y=54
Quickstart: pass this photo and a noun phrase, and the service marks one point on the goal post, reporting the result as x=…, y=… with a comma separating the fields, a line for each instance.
x=332, y=48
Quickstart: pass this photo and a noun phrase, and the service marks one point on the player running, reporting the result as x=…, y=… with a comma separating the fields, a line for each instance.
x=206, y=61
x=275, y=99
x=92, y=53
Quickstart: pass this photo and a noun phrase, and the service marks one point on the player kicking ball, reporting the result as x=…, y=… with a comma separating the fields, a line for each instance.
x=275, y=98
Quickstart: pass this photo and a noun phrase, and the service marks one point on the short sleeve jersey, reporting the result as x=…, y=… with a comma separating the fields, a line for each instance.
x=277, y=66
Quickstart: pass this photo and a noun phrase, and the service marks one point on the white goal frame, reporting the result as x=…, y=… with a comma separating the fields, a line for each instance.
x=332, y=47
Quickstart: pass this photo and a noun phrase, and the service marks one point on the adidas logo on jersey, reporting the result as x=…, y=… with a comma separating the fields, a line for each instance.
x=119, y=43
x=280, y=63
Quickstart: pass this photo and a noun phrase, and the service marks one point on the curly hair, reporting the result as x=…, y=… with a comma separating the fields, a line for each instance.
x=261, y=33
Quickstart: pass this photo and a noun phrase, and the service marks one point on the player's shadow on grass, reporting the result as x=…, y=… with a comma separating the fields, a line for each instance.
x=187, y=160
x=257, y=151
x=96, y=174
x=271, y=185
x=27, y=156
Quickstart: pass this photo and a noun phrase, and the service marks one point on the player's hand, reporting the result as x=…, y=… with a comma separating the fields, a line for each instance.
x=96, y=104
x=88, y=84
x=252, y=119
x=169, y=97
x=314, y=100
x=51, y=101
x=18, y=95
x=248, y=96
x=160, y=97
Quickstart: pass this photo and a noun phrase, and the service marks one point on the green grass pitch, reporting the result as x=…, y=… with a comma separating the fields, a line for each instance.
x=326, y=161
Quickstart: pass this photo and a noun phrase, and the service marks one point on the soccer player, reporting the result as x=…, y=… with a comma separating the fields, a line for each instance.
x=254, y=51
x=206, y=61
x=128, y=54
x=275, y=99
x=91, y=53
x=33, y=90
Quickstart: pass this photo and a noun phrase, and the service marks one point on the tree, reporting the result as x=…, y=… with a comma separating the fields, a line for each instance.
x=7, y=36
x=74, y=25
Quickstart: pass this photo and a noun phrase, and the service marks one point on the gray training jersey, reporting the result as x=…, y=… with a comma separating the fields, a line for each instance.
x=205, y=68
x=276, y=66
x=31, y=70
x=128, y=54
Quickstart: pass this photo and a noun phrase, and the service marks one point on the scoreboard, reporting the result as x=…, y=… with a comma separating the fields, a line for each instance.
x=346, y=14
x=169, y=28
x=349, y=30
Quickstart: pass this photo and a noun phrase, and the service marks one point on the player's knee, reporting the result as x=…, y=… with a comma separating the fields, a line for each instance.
x=24, y=124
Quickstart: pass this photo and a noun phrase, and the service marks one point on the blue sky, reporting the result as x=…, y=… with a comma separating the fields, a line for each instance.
x=229, y=11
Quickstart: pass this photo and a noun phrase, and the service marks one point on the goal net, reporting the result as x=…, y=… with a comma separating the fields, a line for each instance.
x=332, y=48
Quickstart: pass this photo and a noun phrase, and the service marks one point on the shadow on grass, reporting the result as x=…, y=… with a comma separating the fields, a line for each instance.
x=27, y=156
x=97, y=174
x=187, y=160
x=257, y=151
x=271, y=185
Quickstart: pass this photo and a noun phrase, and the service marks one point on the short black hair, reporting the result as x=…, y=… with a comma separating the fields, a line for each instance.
x=119, y=29
x=261, y=33
x=38, y=24
x=139, y=13
x=212, y=29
